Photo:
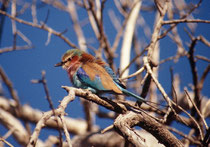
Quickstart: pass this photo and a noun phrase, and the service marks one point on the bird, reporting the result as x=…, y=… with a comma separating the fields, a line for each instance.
x=88, y=72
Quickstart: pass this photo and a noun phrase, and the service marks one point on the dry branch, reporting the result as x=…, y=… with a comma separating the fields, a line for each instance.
x=74, y=126
x=128, y=37
x=42, y=26
x=123, y=124
x=18, y=130
x=166, y=22
x=126, y=116
x=166, y=138
x=60, y=111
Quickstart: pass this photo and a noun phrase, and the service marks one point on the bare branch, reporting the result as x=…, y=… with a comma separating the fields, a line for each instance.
x=66, y=131
x=205, y=73
x=196, y=108
x=59, y=111
x=156, y=31
x=72, y=12
x=134, y=74
x=6, y=142
x=74, y=126
x=10, y=87
x=43, y=27
x=33, y=12
x=128, y=36
x=182, y=17
x=192, y=62
x=44, y=82
x=185, y=20
x=166, y=97
x=109, y=104
x=123, y=124
x=10, y=49
x=10, y=122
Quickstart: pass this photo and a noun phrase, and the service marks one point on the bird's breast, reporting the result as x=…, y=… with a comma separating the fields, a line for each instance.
x=72, y=71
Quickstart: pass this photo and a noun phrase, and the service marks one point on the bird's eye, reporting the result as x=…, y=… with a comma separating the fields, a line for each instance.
x=69, y=59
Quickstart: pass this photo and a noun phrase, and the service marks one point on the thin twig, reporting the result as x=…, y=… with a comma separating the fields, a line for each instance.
x=4, y=7
x=204, y=40
x=24, y=38
x=65, y=130
x=196, y=123
x=166, y=97
x=14, y=27
x=156, y=31
x=183, y=17
x=102, y=37
x=49, y=114
x=44, y=82
x=6, y=142
x=196, y=108
x=33, y=11
x=202, y=58
x=78, y=30
x=171, y=58
x=107, y=129
x=205, y=73
x=192, y=62
x=134, y=74
x=18, y=48
x=193, y=140
x=185, y=20
x=43, y=27
x=10, y=87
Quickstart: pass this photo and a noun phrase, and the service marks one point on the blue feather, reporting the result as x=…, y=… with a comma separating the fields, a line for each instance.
x=114, y=77
x=121, y=86
x=86, y=83
x=126, y=92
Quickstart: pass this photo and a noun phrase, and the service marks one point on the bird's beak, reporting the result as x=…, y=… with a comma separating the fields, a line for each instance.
x=58, y=64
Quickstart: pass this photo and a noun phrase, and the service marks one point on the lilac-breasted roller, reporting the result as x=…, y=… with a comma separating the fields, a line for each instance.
x=87, y=72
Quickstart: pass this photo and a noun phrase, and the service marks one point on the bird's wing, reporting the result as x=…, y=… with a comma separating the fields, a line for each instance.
x=95, y=76
x=114, y=77
x=110, y=72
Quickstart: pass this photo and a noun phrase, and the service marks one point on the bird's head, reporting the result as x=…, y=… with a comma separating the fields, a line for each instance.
x=70, y=58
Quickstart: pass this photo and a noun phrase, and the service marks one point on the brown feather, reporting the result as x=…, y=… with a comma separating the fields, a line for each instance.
x=93, y=69
x=100, y=62
x=87, y=58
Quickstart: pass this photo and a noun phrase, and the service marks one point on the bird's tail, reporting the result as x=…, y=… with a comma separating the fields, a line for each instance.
x=140, y=99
